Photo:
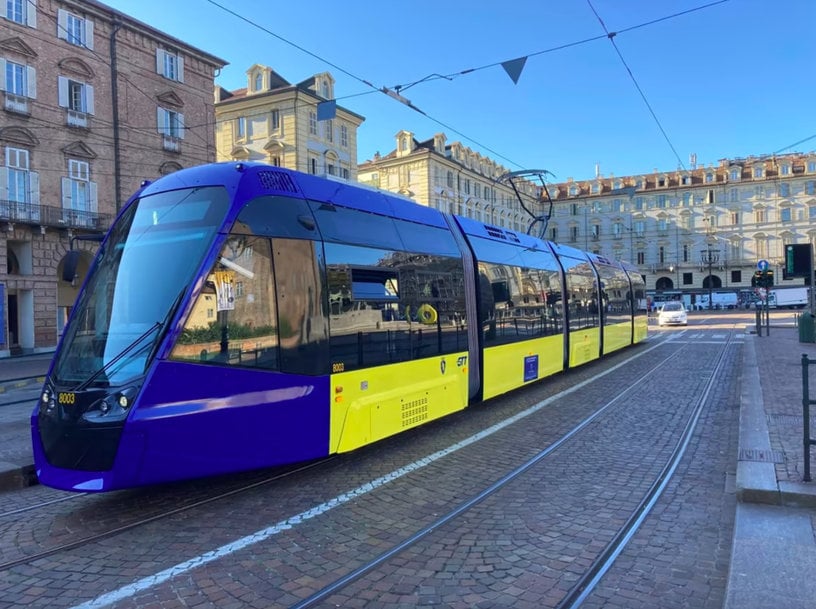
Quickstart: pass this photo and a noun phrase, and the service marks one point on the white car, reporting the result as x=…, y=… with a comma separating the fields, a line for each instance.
x=672, y=313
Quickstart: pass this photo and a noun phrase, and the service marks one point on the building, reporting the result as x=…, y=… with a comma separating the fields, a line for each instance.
x=452, y=178
x=696, y=230
x=94, y=102
x=283, y=124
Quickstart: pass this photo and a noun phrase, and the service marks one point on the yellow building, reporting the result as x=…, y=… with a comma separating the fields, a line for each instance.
x=452, y=178
x=276, y=122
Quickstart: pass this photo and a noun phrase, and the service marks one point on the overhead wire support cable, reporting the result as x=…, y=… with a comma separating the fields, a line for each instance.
x=611, y=37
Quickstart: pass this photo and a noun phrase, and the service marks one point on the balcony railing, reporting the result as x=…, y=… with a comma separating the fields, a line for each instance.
x=44, y=215
x=74, y=118
x=16, y=103
x=173, y=144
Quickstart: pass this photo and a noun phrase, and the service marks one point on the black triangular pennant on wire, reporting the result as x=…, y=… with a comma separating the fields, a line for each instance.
x=514, y=68
x=326, y=110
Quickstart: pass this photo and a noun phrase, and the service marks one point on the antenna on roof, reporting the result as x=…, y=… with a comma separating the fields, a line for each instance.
x=526, y=175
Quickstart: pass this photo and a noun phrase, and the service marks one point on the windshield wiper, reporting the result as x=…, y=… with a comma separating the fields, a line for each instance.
x=84, y=384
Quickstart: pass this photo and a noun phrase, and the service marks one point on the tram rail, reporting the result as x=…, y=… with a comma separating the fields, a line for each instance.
x=449, y=518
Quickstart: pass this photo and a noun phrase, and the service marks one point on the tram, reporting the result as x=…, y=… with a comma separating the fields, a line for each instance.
x=241, y=316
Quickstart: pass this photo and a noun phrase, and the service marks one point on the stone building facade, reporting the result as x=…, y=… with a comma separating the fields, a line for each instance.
x=453, y=178
x=697, y=229
x=93, y=103
x=297, y=126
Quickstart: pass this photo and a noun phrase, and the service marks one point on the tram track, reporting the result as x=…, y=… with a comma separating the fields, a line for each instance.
x=71, y=545
x=418, y=536
x=585, y=584
x=216, y=554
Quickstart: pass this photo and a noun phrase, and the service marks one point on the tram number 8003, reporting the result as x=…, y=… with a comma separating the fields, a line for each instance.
x=66, y=398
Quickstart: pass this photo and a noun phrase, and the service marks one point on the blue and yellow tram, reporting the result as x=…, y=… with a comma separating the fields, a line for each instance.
x=242, y=316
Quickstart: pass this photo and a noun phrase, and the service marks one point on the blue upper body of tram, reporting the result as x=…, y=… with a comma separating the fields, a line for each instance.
x=240, y=316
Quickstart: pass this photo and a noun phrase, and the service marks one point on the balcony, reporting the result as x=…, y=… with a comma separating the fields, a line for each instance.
x=74, y=118
x=171, y=144
x=16, y=103
x=57, y=217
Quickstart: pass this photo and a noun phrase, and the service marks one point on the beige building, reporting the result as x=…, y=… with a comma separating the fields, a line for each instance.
x=452, y=178
x=698, y=229
x=94, y=102
x=283, y=124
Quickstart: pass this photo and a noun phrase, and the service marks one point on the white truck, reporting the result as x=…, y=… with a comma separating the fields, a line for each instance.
x=720, y=300
x=790, y=298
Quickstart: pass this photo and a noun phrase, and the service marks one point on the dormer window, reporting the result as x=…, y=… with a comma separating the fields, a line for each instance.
x=784, y=169
x=258, y=82
x=736, y=174
x=759, y=172
x=709, y=177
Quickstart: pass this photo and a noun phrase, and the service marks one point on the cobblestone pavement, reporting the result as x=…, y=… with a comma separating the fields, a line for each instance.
x=521, y=548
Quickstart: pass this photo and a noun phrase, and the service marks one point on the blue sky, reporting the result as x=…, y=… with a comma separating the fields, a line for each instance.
x=732, y=79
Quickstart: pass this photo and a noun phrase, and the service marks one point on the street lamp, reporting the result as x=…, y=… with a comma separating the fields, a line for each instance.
x=710, y=256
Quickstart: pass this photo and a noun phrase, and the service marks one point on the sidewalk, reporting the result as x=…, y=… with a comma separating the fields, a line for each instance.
x=773, y=556
x=16, y=461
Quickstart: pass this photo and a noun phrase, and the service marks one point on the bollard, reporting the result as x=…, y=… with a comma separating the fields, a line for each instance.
x=806, y=402
x=759, y=321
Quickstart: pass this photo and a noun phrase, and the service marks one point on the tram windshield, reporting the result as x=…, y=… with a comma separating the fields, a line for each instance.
x=141, y=274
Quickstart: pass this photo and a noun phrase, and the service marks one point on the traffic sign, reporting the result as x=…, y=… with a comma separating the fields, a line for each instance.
x=763, y=265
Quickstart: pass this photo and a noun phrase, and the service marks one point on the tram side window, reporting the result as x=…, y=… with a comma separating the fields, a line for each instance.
x=388, y=306
x=301, y=296
x=233, y=321
x=582, y=298
x=518, y=303
x=615, y=297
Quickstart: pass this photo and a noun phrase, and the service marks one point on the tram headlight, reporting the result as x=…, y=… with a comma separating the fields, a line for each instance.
x=47, y=401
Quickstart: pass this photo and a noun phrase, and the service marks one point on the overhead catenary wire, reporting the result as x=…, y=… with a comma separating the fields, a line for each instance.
x=611, y=36
x=394, y=90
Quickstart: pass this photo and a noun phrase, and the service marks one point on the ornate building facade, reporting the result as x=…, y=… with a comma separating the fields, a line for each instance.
x=693, y=230
x=452, y=178
x=93, y=103
x=276, y=122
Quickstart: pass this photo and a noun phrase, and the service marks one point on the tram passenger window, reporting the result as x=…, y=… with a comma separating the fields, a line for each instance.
x=617, y=306
x=388, y=306
x=226, y=328
x=518, y=303
x=301, y=296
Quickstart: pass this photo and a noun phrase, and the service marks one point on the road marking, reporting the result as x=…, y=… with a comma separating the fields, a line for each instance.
x=284, y=525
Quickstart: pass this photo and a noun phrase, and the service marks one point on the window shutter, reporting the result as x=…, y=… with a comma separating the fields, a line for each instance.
x=34, y=184
x=4, y=178
x=2, y=65
x=159, y=61
x=31, y=14
x=62, y=24
x=89, y=34
x=3, y=10
x=89, y=99
x=92, y=197
x=66, y=193
x=160, y=120
x=62, y=92
x=180, y=68
x=181, y=126
x=32, y=82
